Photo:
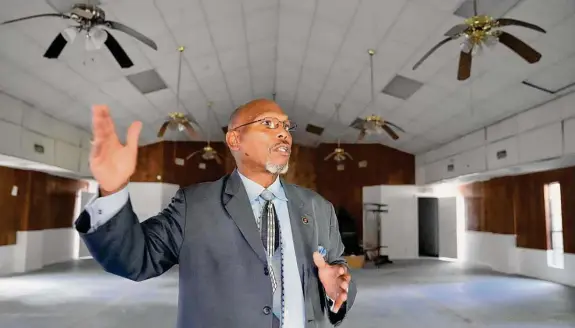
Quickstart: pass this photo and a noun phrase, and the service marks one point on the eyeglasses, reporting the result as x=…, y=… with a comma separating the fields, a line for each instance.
x=272, y=123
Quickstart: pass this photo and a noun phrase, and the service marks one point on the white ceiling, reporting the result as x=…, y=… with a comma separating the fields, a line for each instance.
x=312, y=53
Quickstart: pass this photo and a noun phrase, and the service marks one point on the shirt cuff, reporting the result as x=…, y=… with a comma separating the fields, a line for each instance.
x=330, y=302
x=102, y=209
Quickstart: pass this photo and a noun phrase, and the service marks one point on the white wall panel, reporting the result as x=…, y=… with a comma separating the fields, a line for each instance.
x=472, y=161
x=502, y=153
x=502, y=129
x=65, y=132
x=84, y=169
x=447, y=219
x=451, y=167
x=566, y=105
x=10, y=139
x=569, y=136
x=11, y=109
x=542, y=143
x=38, y=148
x=539, y=116
x=67, y=156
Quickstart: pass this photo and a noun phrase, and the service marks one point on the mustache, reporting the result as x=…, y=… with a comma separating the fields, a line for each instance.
x=280, y=144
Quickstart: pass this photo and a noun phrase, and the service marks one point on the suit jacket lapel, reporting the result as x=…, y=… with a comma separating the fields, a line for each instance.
x=302, y=226
x=237, y=204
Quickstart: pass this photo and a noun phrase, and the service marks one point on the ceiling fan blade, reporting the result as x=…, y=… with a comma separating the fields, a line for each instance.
x=163, y=129
x=348, y=155
x=456, y=30
x=329, y=156
x=35, y=16
x=118, y=52
x=464, y=70
x=361, y=135
x=391, y=133
x=432, y=50
x=395, y=126
x=193, y=154
x=133, y=33
x=190, y=129
x=217, y=158
x=56, y=47
x=516, y=22
x=519, y=47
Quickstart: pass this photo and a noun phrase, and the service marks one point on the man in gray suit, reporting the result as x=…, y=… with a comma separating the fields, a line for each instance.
x=253, y=251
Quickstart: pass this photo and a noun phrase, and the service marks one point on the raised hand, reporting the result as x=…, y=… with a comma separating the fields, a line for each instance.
x=335, y=280
x=112, y=164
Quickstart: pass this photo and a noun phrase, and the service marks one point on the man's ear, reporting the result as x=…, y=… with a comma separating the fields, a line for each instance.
x=232, y=139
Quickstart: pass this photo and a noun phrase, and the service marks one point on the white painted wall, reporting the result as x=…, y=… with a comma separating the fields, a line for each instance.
x=149, y=198
x=36, y=249
x=399, y=227
x=543, y=133
x=500, y=253
x=23, y=127
x=447, y=217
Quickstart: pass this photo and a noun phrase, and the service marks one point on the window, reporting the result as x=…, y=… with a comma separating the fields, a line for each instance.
x=554, y=219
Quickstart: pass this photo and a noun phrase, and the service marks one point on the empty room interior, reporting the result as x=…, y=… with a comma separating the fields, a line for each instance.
x=442, y=132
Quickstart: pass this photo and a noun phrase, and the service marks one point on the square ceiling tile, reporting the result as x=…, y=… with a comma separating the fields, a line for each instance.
x=402, y=87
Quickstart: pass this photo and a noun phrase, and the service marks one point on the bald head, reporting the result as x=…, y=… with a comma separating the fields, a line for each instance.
x=249, y=111
x=259, y=137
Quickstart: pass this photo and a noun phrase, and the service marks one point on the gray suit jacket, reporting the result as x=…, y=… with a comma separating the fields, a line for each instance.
x=209, y=230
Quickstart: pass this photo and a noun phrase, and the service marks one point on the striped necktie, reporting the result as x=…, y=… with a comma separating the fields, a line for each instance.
x=271, y=239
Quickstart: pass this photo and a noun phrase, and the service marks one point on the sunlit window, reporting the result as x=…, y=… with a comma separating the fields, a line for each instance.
x=554, y=218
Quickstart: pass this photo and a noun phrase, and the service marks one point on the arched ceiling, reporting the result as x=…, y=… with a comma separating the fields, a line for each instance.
x=311, y=53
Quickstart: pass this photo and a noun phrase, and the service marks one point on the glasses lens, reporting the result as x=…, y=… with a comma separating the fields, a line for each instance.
x=290, y=126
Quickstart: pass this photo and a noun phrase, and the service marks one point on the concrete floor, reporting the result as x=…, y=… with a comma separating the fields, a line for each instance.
x=423, y=293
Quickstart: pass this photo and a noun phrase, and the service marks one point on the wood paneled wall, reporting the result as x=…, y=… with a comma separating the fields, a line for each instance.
x=42, y=202
x=516, y=205
x=307, y=168
x=344, y=188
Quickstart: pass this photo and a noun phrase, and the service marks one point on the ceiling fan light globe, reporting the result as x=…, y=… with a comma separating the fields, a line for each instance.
x=466, y=46
x=477, y=50
x=95, y=38
x=70, y=34
x=491, y=40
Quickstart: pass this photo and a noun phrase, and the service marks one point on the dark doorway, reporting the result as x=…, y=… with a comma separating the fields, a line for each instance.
x=428, y=209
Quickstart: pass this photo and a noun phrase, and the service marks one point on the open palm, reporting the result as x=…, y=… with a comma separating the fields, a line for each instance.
x=112, y=164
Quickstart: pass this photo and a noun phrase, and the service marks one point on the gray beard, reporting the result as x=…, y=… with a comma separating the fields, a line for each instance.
x=277, y=168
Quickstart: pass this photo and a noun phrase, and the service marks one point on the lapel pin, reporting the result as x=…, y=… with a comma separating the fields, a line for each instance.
x=304, y=220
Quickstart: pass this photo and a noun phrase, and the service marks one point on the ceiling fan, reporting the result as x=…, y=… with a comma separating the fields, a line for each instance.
x=91, y=19
x=482, y=29
x=339, y=154
x=208, y=152
x=374, y=124
x=177, y=121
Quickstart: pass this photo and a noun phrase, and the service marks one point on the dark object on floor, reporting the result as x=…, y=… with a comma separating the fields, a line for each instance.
x=348, y=232
x=381, y=260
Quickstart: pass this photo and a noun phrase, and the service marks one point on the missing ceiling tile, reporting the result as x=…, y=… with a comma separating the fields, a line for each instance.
x=314, y=129
x=402, y=87
x=147, y=81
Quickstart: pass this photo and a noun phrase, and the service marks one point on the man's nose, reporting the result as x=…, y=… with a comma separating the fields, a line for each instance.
x=283, y=134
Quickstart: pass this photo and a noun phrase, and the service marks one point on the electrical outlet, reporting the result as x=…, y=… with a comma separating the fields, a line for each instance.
x=202, y=166
x=14, y=191
x=179, y=161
